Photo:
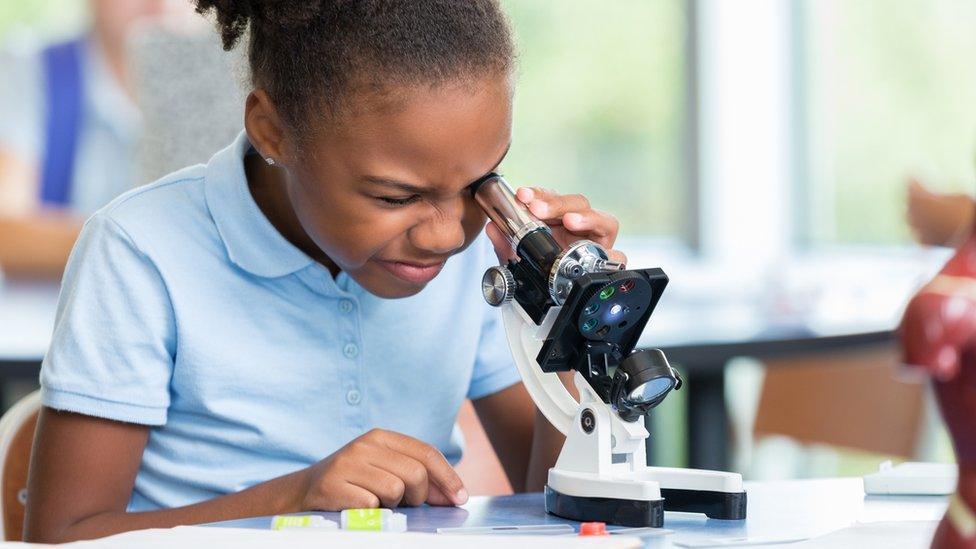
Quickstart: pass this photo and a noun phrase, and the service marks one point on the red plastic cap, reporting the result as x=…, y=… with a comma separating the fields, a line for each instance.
x=593, y=529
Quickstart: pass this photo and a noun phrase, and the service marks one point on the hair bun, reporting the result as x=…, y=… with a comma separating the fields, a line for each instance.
x=234, y=16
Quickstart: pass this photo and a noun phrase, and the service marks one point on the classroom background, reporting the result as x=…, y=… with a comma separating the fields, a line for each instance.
x=759, y=151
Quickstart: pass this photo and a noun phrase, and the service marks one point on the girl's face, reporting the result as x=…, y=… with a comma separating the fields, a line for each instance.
x=385, y=194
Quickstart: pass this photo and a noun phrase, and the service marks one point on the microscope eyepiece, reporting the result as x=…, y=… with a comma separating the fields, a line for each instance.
x=530, y=237
x=496, y=198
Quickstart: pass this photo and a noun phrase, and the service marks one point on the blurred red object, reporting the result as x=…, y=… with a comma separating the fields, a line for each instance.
x=593, y=529
x=938, y=334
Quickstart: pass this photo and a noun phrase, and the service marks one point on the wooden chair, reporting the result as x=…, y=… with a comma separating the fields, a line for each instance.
x=16, y=438
x=851, y=399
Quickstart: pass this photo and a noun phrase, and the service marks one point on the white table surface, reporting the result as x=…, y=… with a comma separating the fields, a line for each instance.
x=807, y=509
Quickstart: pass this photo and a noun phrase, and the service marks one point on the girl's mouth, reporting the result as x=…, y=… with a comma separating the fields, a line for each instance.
x=414, y=273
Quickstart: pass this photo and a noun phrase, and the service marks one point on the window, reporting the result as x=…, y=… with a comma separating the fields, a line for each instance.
x=600, y=107
x=51, y=18
x=887, y=89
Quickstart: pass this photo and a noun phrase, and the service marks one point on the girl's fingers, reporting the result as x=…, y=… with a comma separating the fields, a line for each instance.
x=570, y=217
x=439, y=471
x=565, y=237
x=593, y=222
x=387, y=487
x=618, y=256
x=571, y=211
x=528, y=194
x=344, y=496
x=546, y=206
x=436, y=497
x=410, y=471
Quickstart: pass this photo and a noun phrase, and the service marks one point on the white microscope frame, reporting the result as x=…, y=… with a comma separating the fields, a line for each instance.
x=586, y=467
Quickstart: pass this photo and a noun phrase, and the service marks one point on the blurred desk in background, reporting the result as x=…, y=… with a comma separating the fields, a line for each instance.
x=709, y=314
x=26, y=321
x=712, y=313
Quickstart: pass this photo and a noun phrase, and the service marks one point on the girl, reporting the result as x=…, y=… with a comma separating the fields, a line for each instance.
x=294, y=325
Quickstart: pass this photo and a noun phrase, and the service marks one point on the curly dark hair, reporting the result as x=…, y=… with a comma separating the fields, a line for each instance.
x=309, y=54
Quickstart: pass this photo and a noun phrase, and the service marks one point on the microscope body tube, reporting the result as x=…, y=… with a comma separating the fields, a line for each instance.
x=531, y=238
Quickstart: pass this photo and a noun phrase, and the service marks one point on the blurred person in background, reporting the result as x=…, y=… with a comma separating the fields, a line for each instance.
x=68, y=133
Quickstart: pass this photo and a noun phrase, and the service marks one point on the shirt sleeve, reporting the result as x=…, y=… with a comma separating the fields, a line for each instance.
x=494, y=367
x=113, y=348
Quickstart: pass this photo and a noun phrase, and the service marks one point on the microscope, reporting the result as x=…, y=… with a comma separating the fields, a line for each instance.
x=573, y=309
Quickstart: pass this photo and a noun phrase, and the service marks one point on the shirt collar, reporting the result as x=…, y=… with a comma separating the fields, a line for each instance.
x=252, y=242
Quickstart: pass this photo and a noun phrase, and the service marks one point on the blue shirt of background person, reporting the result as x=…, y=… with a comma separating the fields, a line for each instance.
x=68, y=134
x=294, y=326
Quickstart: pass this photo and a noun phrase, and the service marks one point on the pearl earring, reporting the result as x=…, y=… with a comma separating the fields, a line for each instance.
x=270, y=161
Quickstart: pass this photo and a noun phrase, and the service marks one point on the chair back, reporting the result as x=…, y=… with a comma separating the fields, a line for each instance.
x=16, y=439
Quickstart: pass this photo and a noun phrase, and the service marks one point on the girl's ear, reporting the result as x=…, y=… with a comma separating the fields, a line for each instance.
x=265, y=129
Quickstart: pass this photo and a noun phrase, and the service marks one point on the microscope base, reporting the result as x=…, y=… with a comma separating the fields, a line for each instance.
x=714, y=505
x=716, y=494
x=622, y=512
x=639, y=498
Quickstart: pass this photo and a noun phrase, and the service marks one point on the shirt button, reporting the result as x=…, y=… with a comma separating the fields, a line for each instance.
x=350, y=350
x=354, y=397
x=345, y=306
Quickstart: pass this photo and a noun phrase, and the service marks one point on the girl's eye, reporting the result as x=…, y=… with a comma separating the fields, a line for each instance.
x=399, y=201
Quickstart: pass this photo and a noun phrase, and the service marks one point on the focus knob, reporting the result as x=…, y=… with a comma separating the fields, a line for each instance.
x=498, y=286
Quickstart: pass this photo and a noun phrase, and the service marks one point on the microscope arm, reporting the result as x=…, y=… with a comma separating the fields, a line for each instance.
x=525, y=339
x=547, y=390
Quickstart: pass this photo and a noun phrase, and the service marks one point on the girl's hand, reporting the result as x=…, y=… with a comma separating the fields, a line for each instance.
x=382, y=468
x=569, y=216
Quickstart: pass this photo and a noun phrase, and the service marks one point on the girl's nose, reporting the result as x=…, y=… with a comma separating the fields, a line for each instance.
x=442, y=233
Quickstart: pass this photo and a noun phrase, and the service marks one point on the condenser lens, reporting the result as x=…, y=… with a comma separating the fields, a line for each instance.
x=650, y=390
x=616, y=309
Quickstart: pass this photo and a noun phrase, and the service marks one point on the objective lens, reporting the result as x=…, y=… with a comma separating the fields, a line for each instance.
x=603, y=331
x=615, y=310
x=591, y=308
x=627, y=286
x=606, y=293
x=589, y=325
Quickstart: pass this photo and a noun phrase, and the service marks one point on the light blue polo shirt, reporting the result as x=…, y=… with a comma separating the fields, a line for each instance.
x=184, y=309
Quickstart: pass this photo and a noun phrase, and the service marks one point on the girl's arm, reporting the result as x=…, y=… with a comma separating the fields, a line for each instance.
x=82, y=473
x=526, y=443
x=83, y=470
